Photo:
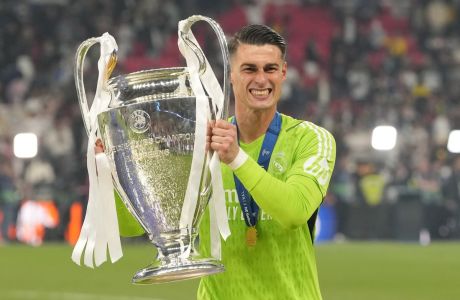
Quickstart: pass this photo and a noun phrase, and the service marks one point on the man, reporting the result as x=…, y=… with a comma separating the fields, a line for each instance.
x=276, y=172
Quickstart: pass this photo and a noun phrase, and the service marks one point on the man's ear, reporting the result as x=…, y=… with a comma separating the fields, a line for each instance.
x=284, y=70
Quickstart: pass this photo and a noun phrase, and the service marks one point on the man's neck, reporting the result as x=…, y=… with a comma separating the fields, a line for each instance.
x=253, y=124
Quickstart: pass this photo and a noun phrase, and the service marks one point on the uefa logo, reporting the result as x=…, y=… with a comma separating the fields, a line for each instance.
x=139, y=121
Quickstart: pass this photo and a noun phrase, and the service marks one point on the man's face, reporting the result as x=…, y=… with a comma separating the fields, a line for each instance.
x=257, y=76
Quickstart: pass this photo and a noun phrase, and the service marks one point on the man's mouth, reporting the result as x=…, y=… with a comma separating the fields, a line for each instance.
x=260, y=92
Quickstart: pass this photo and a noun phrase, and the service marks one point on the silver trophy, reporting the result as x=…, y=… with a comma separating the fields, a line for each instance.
x=149, y=132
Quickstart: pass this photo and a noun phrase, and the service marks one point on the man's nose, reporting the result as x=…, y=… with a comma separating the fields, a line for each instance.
x=261, y=77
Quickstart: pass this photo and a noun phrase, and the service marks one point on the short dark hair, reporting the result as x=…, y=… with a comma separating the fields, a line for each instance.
x=256, y=34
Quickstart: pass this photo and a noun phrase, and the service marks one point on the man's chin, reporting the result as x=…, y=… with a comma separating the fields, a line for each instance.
x=266, y=101
x=262, y=105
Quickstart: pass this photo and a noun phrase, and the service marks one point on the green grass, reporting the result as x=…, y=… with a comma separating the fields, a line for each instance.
x=347, y=271
x=47, y=272
x=389, y=271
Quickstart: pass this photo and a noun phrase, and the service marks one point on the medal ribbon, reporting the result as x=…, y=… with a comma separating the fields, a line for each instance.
x=249, y=207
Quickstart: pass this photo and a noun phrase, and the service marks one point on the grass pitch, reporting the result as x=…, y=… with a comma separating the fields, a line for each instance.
x=347, y=271
x=389, y=271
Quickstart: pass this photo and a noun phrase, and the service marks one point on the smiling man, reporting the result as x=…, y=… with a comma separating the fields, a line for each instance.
x=276, y=172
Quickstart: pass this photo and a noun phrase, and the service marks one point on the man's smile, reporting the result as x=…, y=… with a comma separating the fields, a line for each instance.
x=260, y=92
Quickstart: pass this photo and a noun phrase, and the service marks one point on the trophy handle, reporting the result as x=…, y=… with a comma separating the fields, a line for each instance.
x=202, y=59
x=78, y=75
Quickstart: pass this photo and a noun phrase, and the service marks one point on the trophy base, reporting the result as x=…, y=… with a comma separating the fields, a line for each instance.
x=182, y=269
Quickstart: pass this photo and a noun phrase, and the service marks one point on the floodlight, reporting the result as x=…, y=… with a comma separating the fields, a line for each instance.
x=25, y=145
x=453, y=143
x=384, y=138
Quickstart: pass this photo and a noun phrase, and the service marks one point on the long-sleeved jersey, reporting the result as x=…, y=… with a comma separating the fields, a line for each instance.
x=282, y=264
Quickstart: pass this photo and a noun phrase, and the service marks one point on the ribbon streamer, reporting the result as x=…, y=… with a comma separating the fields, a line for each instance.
x=218, y=213
x=100, y=227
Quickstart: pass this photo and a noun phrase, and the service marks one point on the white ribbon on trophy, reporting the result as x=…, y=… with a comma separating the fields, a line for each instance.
x=100, y=227
x=218, y=213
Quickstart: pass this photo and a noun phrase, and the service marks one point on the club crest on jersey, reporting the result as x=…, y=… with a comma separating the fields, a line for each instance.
x=279, y=163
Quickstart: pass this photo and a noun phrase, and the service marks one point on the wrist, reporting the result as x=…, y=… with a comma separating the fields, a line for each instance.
x=239, y=160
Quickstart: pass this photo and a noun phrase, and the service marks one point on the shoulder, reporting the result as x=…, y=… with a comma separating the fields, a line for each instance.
x=306, y=130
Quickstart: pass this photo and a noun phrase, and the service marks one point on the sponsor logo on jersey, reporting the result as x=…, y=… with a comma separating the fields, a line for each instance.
x=234, y=212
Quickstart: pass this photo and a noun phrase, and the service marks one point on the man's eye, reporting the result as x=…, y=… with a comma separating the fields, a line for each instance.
x=248, y=70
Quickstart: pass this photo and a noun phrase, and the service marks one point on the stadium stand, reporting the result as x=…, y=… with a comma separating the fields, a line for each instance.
x=352, y=65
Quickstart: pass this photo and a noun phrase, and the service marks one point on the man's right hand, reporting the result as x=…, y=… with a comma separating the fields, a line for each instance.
x=224, y=140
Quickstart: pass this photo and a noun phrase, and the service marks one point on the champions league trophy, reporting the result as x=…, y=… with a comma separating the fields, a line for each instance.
x=153, y=127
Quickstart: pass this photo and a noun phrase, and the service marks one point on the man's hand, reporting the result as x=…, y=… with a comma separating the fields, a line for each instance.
x=99, y=147
x=224, y=140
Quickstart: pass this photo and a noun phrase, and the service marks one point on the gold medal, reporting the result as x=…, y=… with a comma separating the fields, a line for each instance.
x=251, y=236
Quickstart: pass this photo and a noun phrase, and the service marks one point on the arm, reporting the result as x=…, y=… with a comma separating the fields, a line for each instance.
x=293, y=201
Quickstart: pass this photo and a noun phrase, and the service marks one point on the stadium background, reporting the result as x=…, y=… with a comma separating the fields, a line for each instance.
x=353, y=65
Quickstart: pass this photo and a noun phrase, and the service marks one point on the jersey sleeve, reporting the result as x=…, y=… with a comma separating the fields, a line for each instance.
x=127, y=224
x=292, y=202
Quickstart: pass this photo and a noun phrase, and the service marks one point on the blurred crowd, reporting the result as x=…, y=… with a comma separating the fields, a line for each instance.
x=352, y=65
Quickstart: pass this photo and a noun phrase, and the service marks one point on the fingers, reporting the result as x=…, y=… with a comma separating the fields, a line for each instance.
x=224, y=133
x=208, y=136
x=222, y=127
x=224, y=140
x=223, y=124
x=219, y=132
